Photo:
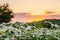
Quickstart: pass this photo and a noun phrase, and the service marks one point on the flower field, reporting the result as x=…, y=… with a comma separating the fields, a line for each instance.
x=18, y=31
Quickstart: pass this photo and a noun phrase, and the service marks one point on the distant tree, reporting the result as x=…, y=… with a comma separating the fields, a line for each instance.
x=5, y=13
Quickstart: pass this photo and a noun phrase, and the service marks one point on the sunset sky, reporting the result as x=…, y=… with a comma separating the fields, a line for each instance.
x=35, y=9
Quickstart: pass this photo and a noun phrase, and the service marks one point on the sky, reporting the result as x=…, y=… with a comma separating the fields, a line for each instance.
x=43, y=8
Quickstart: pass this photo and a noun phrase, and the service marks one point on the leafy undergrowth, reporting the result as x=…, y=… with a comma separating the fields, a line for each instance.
x=18, y=31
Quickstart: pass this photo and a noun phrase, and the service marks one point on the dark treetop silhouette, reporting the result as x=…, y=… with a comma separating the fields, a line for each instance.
x=5, y=13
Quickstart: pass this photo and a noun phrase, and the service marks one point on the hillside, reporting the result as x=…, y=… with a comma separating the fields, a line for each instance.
x=54, y=21
x=41, y=23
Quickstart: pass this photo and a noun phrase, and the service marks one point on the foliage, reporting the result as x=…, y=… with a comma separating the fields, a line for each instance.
x=54, y=21
x=46, y=25
x=5, y=13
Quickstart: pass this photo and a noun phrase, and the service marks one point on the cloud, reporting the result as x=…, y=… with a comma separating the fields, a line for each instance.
x=26, y=17
x=52, y=17
x=23, y=17
x=49, y=12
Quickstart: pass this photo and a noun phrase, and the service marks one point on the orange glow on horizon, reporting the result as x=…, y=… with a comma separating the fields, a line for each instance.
x=37, y=19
